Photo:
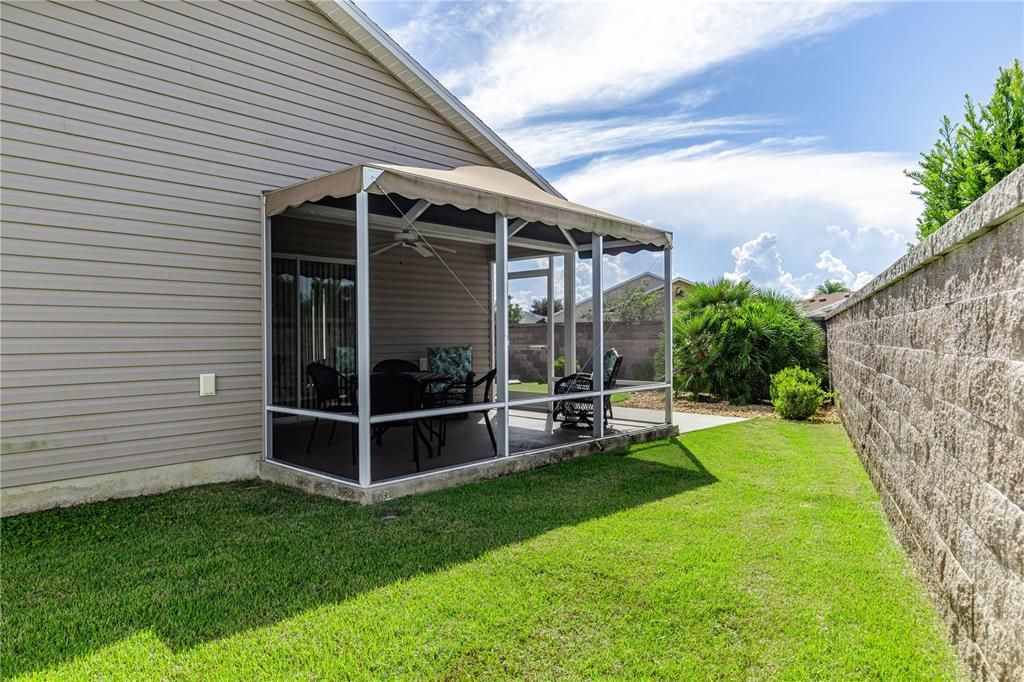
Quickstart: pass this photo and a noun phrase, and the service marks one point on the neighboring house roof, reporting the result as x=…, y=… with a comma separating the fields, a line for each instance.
x=682, y=280
x=558, y=317
x=530, y=317
x=818, y=306
x=389, y=54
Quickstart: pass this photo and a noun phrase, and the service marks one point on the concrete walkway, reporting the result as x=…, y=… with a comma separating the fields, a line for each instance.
x=686, y=421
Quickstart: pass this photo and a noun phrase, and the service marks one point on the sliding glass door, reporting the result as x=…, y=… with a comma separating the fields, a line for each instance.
x=314, y=320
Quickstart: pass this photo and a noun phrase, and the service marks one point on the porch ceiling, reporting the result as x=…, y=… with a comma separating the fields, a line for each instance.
x=479, y=188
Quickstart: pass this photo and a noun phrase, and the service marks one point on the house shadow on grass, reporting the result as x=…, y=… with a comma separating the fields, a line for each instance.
x=208, y=562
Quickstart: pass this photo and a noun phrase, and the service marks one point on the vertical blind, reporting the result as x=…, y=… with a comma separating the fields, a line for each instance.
x=313, y=309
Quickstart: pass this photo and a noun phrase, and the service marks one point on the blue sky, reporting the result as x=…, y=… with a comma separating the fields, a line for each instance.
x=770, y=138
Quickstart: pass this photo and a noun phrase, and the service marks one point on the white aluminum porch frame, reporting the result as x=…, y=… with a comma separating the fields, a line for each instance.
x=548, y=274
x=502, y=404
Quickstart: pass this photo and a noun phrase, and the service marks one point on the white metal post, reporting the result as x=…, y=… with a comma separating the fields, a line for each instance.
x=501, y=327
x=298, y=332
x=551, y=325
x=363, y=332
x=569, y=312
x=669, y=300
x=597, y=298
x=268, y=395
x=494, y=331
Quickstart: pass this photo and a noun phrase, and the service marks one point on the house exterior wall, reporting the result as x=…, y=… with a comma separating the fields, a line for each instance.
x=928, y=361
x=414, y=301
x=136, y=140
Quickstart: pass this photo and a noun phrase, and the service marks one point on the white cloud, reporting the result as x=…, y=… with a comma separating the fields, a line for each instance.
x=868, y=236
x=535, y=58
x=555, y=79
x=725, y=186
x=759, y=261
x=835, y=266
x=552, y=143
x=840, y=232
x=718, y=194
x=617, y=269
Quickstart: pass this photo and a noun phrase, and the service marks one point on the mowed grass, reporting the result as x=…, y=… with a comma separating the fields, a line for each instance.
x=751, y=551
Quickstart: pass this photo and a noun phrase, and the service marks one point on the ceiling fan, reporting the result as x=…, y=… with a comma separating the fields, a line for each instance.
x=410, y=240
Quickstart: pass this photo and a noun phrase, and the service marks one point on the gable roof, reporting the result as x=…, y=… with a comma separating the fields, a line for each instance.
x=530, y=317
x=816, y=306
x=558, y=317
x=359, y=27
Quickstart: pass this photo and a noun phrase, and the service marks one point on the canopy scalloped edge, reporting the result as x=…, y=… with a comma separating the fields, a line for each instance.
x=486, y=189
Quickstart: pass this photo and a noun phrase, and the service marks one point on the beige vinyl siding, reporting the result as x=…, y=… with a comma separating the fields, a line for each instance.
x=136, y=139
x=414, y=301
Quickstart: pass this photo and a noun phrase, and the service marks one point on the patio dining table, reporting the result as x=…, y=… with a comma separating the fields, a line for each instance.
x=425, y=379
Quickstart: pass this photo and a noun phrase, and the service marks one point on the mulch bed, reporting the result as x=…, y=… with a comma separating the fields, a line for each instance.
x=828, y=414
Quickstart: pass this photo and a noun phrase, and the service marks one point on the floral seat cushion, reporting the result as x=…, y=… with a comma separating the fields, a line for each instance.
x=455, y=361
x=345, y=359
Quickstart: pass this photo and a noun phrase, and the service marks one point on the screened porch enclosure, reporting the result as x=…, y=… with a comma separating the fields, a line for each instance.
x=386, y=335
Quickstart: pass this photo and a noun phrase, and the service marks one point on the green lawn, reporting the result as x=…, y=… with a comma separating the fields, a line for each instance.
x=751, y=551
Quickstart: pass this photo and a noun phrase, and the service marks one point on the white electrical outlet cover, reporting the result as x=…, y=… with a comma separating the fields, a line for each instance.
x=207, y=384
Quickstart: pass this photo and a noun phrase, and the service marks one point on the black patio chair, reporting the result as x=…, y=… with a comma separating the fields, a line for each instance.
x=581, y=411
x=611, y=377
x=395, y=366
x=487, y=381
x=334, y=392
x=393, y=393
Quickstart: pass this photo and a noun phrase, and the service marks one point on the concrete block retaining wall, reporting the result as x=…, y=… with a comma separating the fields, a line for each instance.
x=928, y=360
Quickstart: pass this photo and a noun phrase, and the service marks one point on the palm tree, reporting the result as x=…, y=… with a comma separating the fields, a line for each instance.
x=830, y=286
x=730, y=338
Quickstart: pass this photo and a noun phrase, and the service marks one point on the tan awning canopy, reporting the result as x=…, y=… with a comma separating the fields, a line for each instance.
x=489, y=190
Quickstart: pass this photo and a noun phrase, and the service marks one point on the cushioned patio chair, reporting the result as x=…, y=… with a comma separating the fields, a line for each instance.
x=456, y=362
x=576, y=412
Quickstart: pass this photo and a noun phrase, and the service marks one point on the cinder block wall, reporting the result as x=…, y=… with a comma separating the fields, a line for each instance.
x=928, y=360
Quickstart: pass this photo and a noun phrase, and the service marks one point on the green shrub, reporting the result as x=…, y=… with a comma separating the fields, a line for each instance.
x=560, y=366
x=730, y=338
x=796, y=393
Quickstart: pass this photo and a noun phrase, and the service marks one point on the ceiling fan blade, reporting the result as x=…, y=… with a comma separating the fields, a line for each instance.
x=386, y=247
x=443, y=248
x=421, y=249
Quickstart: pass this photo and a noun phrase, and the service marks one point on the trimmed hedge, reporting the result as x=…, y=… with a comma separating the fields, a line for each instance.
x=796, y=393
